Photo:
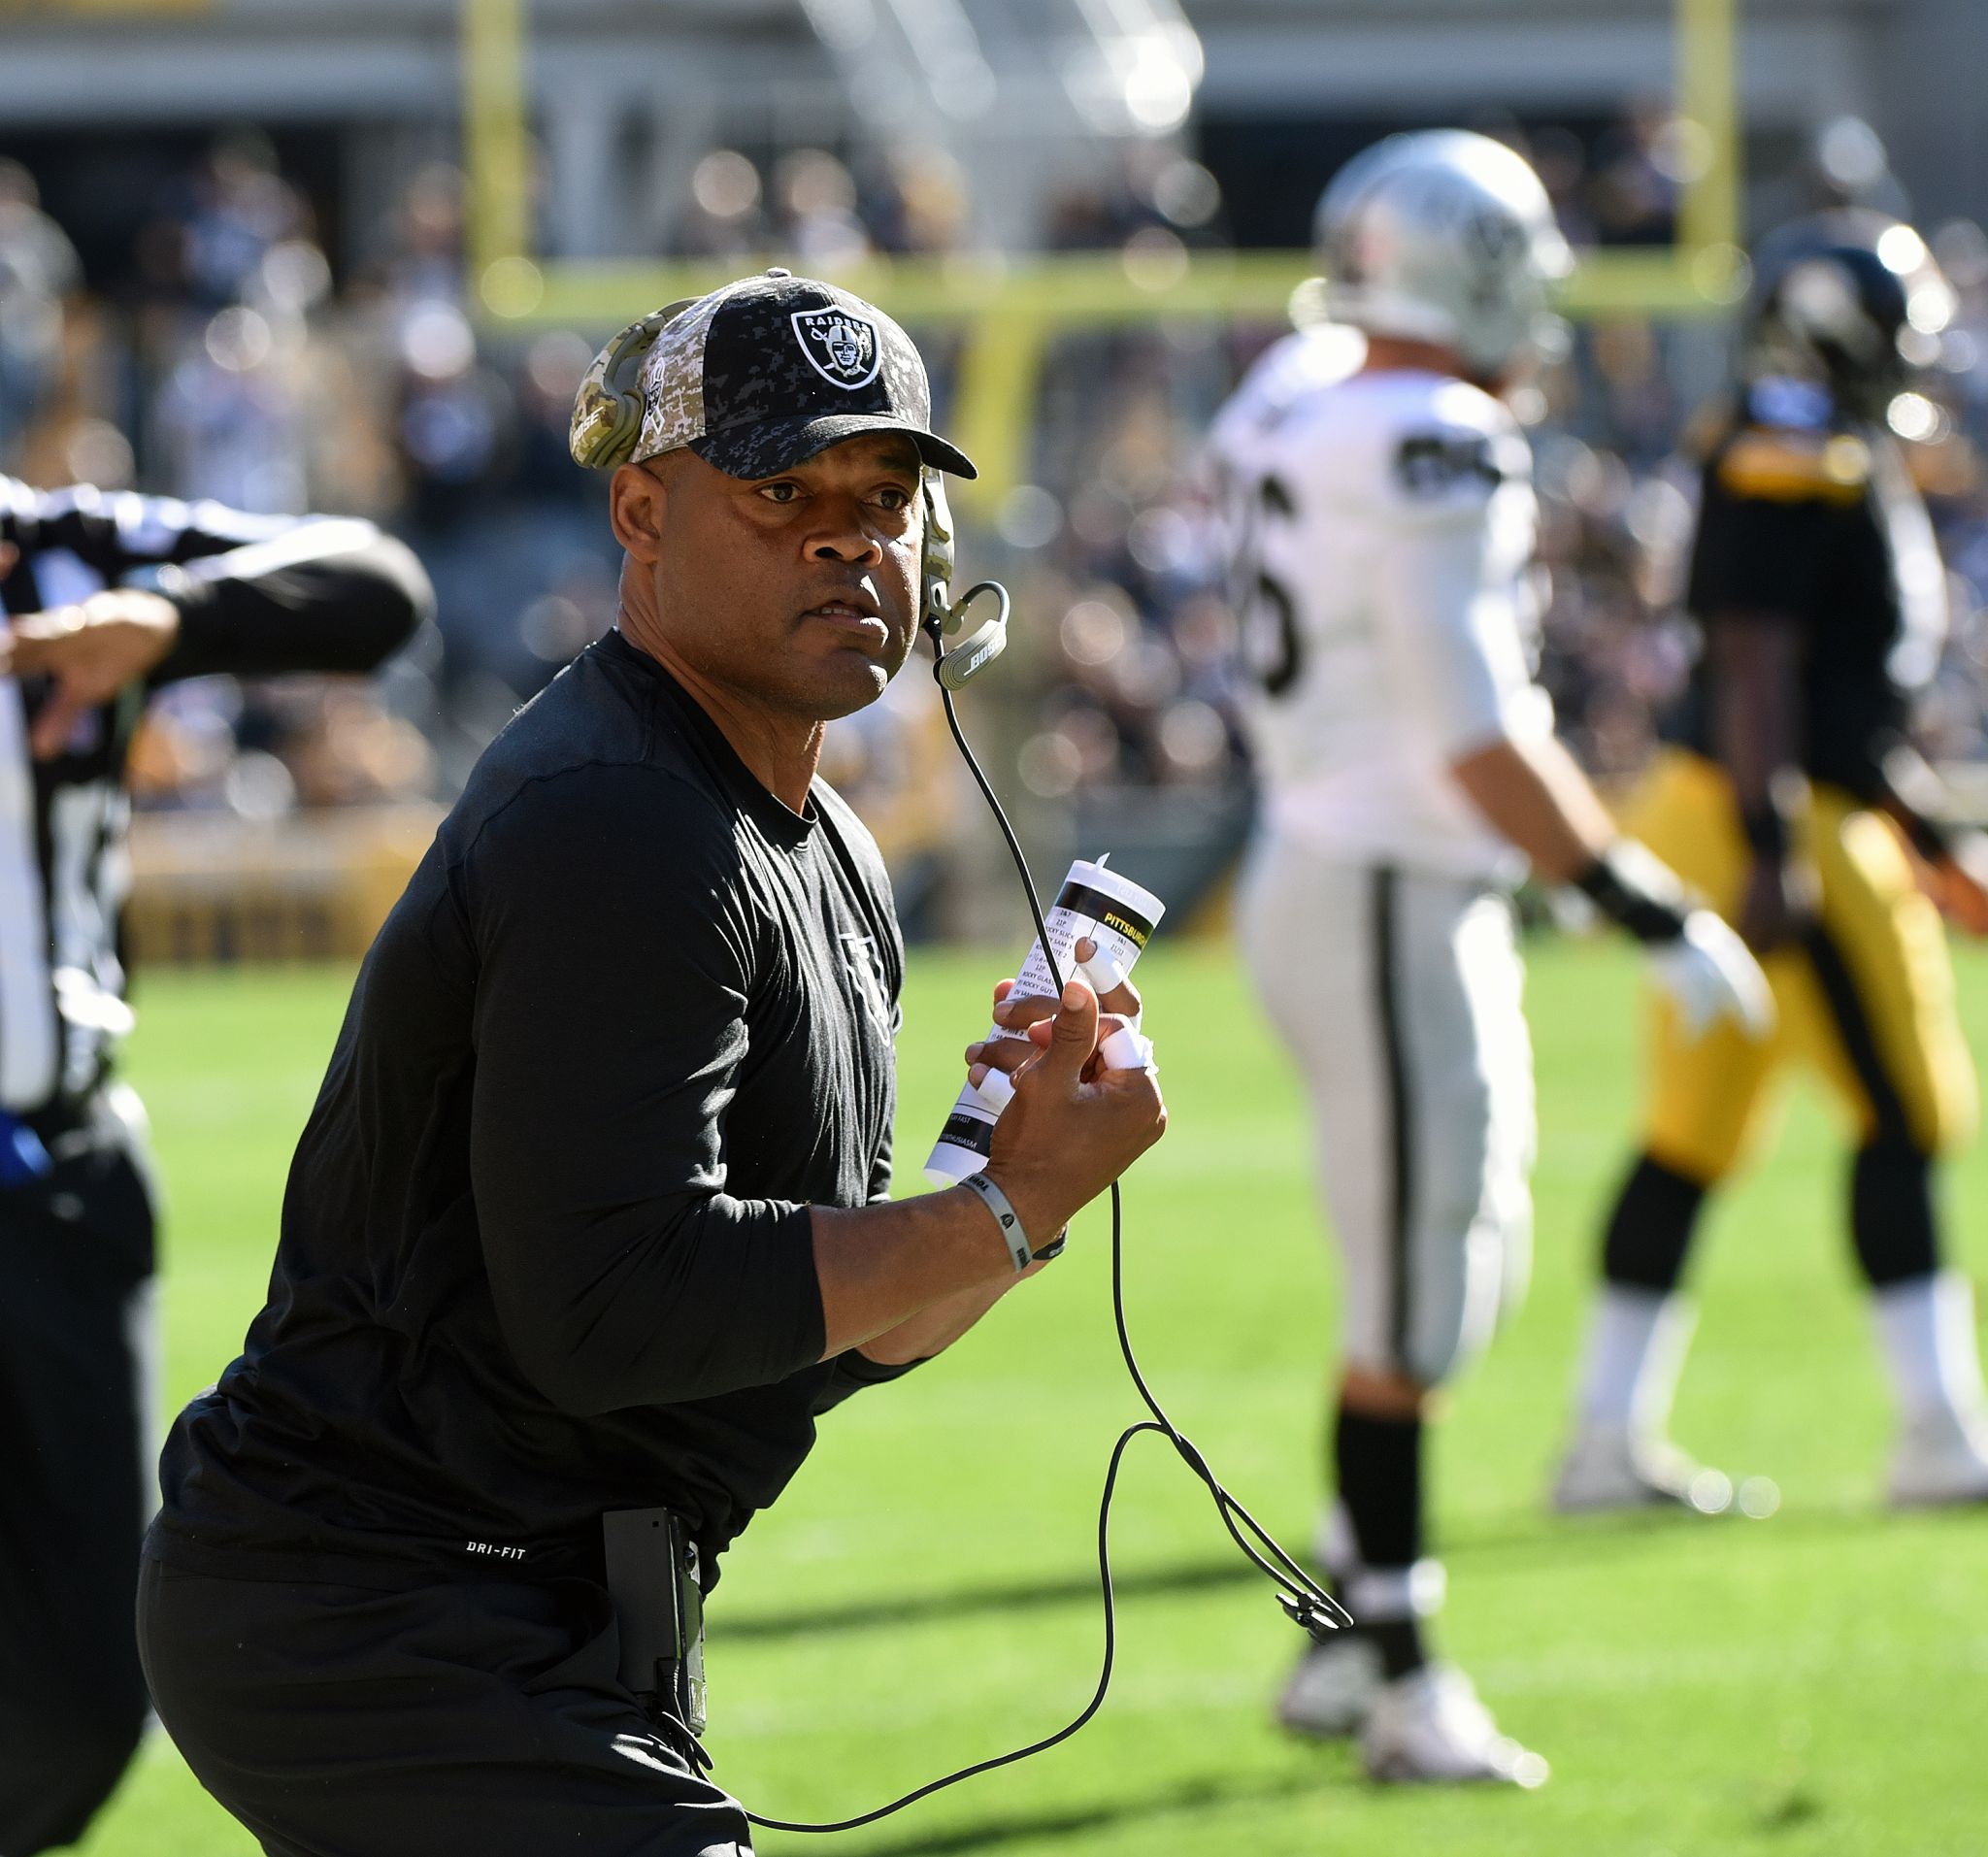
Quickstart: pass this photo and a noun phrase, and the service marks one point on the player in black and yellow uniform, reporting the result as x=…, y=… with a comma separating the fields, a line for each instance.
x=1791, y=797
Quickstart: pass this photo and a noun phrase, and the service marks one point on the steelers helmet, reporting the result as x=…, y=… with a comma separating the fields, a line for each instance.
x=1443, y=236
x=1850, y=300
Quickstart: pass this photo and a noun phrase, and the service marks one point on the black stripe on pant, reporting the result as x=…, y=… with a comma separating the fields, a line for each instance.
x=1401, y=1161
x=1894, y=1226
x=1860, y=1038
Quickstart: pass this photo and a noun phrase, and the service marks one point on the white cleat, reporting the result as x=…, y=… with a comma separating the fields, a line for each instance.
x=1333, y=1687
x=1941, y=1458
x=1428, y=1728
x=1613, y=1468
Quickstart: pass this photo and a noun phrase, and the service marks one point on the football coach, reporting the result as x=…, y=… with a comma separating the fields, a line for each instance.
x=591, y=1216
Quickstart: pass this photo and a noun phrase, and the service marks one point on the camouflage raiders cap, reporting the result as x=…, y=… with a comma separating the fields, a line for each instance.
x=754, y=378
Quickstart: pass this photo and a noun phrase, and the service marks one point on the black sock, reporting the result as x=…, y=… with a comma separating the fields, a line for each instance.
x=1400, y=1644
x=1650, y=1229
x=1378, y=1467
x=1892, y=1221
x=1379, y=1463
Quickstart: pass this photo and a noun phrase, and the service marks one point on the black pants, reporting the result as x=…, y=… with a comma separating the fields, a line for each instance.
x=339, y=1721
x=76, y=1262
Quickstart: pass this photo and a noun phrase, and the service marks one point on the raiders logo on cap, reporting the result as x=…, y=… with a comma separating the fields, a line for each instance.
x=843, y=347
x=720, y=375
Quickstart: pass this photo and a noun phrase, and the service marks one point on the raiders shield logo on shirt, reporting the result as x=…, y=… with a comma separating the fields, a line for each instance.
x=865, y=963
x=840, y=346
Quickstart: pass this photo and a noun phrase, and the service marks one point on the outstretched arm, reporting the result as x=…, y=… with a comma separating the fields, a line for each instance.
x=331, y=595
x=1535, y=796
x=1532, y=793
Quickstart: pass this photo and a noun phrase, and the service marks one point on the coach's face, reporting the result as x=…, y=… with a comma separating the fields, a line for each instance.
x=798, y=592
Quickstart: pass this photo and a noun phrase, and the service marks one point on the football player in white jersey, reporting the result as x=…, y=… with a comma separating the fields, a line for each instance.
x=1409, y=772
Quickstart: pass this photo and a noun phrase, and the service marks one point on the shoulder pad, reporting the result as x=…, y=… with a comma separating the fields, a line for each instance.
x=1305, y=361
x=1781, y=466
x=1447, y=442
x=1283, y=374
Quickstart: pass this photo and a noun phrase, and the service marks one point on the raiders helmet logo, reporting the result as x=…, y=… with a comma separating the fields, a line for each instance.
x=839, y=346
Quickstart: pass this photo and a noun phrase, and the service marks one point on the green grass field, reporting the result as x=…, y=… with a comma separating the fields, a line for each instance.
x=925, y=1594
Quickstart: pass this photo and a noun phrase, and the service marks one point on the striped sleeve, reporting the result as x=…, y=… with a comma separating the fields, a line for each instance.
x=257, y=595
x=119, y=532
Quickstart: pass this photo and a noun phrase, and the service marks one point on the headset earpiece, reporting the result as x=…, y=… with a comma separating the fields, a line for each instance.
x=608, y=412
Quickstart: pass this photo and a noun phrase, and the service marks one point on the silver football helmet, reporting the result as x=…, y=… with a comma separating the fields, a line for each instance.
x=1443, y=236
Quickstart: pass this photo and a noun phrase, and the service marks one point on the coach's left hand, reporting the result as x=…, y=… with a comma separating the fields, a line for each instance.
x=91, y=650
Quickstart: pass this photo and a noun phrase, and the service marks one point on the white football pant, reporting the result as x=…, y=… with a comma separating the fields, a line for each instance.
x=1399, y=994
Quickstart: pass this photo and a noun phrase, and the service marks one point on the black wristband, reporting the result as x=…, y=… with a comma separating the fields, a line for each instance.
x=1627, y=884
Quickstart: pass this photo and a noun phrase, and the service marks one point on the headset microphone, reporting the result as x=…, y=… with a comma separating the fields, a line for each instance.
x=981, y=646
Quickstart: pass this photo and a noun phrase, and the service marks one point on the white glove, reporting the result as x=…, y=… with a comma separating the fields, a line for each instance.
x=1709, y=974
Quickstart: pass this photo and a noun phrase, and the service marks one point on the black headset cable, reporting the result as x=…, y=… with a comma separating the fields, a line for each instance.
x=1304, y=1600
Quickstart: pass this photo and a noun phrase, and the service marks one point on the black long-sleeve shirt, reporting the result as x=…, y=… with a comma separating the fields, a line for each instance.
x=545, y=1248
x=255, y=595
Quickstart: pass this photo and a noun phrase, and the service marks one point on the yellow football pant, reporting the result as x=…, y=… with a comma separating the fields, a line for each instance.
x=1867, y=1001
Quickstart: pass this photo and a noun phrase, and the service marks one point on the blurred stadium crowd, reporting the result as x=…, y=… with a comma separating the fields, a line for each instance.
x=225, y=358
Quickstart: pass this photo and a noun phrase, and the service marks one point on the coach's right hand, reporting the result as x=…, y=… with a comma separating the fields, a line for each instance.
x=1063, y=1139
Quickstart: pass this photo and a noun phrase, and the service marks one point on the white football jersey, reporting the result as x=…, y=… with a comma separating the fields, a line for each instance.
x=1382, y=530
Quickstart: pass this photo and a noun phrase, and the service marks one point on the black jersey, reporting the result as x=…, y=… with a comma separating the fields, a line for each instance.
x=311, y=595
x=546, y=1247
x=1816, y=519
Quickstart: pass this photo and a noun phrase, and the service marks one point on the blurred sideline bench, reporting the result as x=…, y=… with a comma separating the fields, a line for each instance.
x=213, y=887
x=209, y=887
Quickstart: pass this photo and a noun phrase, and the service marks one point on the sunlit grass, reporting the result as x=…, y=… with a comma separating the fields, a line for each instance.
x=925, y=1595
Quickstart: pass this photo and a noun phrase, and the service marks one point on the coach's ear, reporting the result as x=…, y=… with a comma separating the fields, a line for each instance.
x=635, y=502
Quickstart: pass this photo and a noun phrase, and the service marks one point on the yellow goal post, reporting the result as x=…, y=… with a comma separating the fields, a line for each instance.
x=1009, y=309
